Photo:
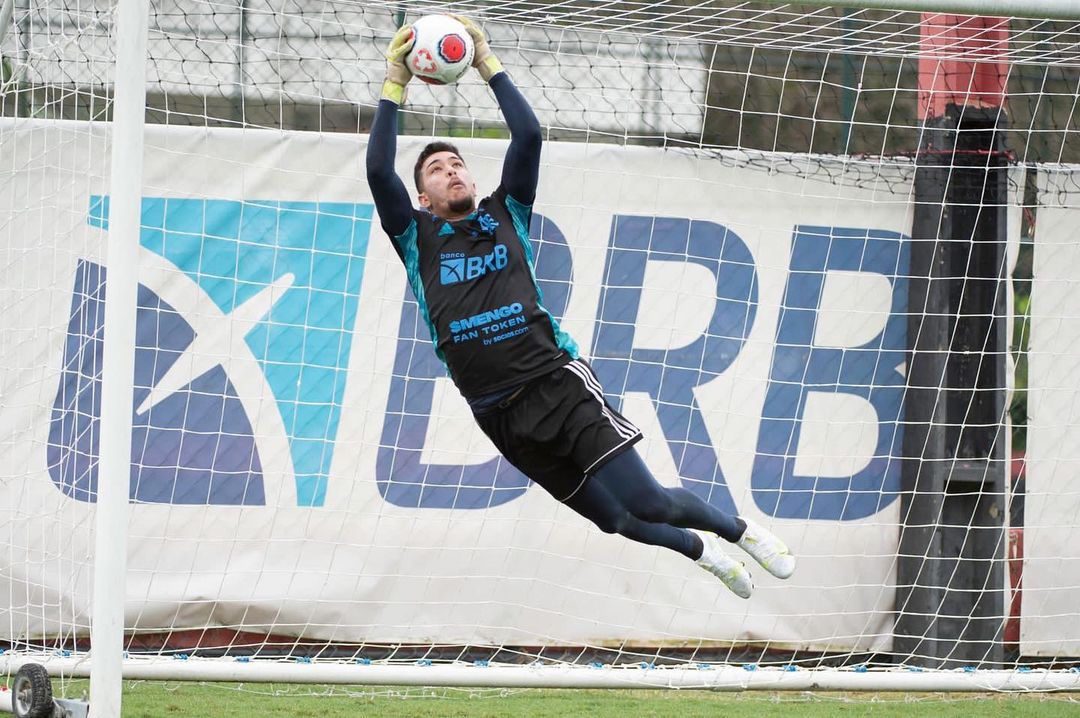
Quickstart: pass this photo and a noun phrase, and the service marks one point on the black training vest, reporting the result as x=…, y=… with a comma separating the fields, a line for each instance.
x=475, y=284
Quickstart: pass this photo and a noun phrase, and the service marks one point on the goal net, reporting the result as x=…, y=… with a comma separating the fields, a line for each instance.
x=798, y=246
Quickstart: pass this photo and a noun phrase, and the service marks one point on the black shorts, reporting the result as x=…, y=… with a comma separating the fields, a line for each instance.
x=558, y=429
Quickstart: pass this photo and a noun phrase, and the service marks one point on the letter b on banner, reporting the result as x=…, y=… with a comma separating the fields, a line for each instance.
x=829, y=442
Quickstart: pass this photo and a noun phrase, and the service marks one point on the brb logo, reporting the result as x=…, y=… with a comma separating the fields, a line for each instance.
x=455, y=267
x=243, y=336
x=823, y=373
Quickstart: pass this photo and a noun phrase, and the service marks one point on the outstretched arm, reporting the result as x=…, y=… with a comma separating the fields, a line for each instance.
x=391, y=197
x=521, y=167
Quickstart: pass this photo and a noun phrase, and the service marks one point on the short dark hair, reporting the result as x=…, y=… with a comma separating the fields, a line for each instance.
x=428, y=151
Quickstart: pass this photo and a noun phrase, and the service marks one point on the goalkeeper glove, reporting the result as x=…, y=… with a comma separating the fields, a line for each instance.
x=484, y=59
x=397, y=72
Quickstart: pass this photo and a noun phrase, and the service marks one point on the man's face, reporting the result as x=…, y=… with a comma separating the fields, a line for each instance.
x=448, y=188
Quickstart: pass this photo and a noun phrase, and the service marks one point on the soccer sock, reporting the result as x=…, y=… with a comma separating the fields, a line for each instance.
x=628, y=478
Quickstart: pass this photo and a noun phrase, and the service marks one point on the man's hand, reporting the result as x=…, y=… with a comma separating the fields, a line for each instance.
x=397, y=72
x=484, y=59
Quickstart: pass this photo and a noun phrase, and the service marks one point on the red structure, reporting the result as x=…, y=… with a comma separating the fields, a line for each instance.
x=963, y=61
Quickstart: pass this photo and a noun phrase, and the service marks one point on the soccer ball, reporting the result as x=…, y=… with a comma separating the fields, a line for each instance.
x=442, y=50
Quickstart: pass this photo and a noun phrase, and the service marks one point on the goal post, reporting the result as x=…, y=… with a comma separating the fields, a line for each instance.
x=109, y=597
x=786, y=239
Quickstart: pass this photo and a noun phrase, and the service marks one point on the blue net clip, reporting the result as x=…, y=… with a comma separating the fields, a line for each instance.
x=1024, y=669
x=704, y=666
x=180, y=657
x=969, y=669
x=243, y=659
x=423, y=662
x=861, y=668
x=646, y=666
x=749, y=667
x=303, y=659
x=596, y=664
x=363, y=661
x=481, y=663
x=789, y=668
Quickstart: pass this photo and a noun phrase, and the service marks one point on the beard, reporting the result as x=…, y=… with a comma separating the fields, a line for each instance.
x=465, y=204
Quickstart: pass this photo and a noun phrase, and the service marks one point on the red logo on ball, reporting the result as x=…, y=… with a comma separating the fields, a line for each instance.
x=452, y=48
x=422, y=61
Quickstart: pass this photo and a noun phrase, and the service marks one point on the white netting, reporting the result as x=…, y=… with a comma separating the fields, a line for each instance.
x=724, y=223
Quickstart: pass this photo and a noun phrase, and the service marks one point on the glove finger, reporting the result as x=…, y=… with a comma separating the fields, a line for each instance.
x=403, y=41
x=475, y=32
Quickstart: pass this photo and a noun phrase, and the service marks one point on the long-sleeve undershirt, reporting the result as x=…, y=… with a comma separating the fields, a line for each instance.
x=521, y=166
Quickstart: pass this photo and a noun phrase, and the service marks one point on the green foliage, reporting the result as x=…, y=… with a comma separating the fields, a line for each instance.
x=9, y=88
x=1021, y=333
x=494, y=133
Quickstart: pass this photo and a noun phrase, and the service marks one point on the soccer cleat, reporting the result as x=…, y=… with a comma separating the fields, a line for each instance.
x=733, y=573
x=767, y=550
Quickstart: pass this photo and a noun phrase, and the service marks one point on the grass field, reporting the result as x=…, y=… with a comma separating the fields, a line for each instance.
x=211, y=700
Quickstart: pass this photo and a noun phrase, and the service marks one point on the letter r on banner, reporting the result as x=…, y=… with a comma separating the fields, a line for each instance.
x=669, y=375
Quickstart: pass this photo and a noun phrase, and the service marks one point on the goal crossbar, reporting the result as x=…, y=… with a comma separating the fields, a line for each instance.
x=1031, y=9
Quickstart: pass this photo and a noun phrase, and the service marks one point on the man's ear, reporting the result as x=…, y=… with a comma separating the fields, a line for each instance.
x=423, y=199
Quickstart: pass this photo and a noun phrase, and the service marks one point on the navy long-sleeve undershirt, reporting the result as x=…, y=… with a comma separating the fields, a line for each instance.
x=521, y=166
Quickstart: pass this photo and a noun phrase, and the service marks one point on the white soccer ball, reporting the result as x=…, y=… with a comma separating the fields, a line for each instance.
x=442, y=50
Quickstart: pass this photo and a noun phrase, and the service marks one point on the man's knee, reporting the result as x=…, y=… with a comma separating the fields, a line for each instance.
x=627, y=478
x=612, y=521
x=653, y=507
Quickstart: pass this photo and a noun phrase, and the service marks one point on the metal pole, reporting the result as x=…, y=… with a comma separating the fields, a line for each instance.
x=847, y=96
x=719, y=677
x=5, y=17
x=239, y=109
x=118, y=361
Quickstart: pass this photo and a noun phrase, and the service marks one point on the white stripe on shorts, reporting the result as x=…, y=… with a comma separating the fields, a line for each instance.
x=622, y=427
x=586, y=372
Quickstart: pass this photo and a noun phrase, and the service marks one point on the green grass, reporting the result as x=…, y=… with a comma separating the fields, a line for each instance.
x=217, y=700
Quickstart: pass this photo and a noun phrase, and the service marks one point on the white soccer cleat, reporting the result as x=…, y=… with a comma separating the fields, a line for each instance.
x=767, y=550
x=733, y=573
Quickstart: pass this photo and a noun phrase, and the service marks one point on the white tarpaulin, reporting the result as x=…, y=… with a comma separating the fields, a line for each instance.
x=301, y=466
x=1049, y=609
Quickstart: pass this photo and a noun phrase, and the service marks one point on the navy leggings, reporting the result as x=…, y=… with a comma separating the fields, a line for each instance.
x=623, y=497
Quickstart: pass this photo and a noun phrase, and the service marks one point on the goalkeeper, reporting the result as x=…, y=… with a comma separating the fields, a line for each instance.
x=470, y=266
